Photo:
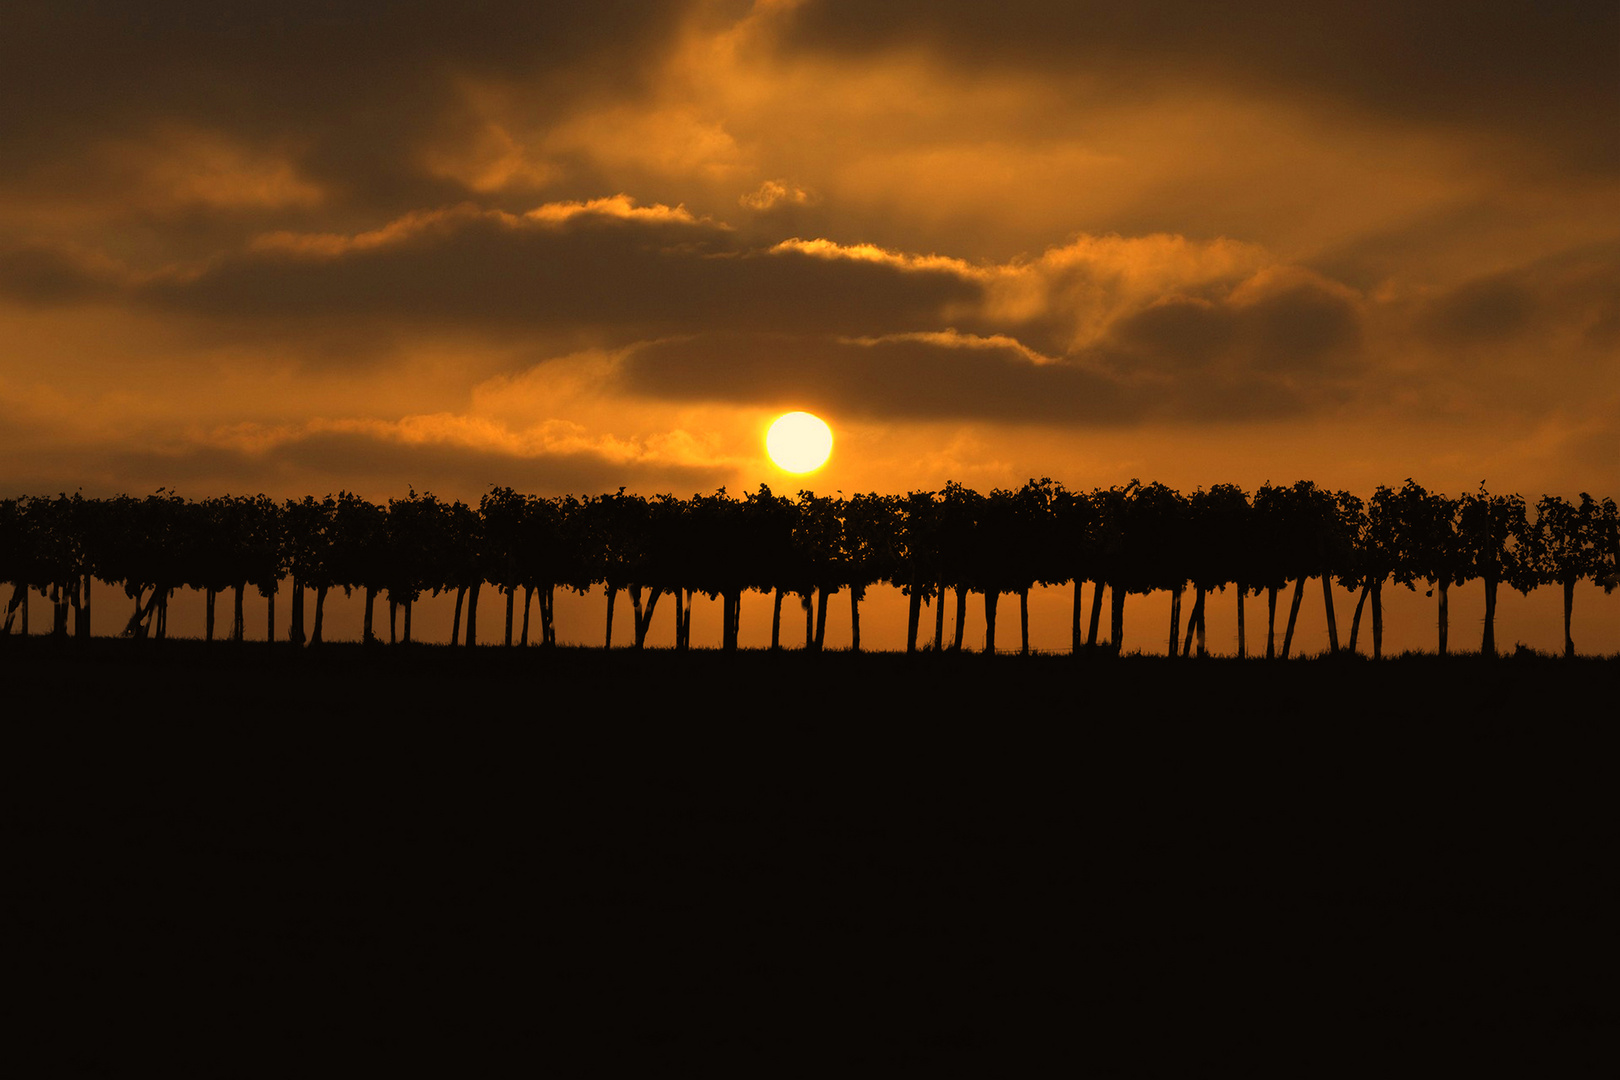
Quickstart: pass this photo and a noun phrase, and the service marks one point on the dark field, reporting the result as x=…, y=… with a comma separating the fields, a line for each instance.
x=230, y=857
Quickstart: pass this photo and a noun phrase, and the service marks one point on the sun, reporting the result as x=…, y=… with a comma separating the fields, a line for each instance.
x=799, y=442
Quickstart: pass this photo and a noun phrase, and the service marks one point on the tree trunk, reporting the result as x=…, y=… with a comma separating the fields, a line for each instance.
x=366, y=636
x=393, y=621
x=612, y=595
x=132, y=628
x=511, y=604
x=1444, y=588
x=1203, y=627
x=855, y=592
x=1096, y=610
x=209, y=597
x=681, y=601
x=408, y=603
x=961, y=615
x=237, y=627
x=295, y=632
x=82, y=628
x=939, y=616
x=734, y=619
x=644, y=618
x=807, y=601
x=991, y=599
x=1023, y=621
x=776, y=621
x=1271, y=622
x=913, y=616
x=455, y=624
x=270, y=616
x=1194, y=620
x=18, y=593
x=320, y=614
x=548, y=622
x=472, y=612
x=528, y=602
x=1332, y=624
x=1075, y=640
x=1378, y=619
x=1116, y=621
x=1355, y=620
x=1488, y=645
x=1293, y=616
x=1569, y=609
x=1175, y=621
x=1243, y=646
x=821, y=619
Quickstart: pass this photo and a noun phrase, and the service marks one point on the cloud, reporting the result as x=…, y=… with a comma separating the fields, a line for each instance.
x=43, y=275
x=1098, y=330
x=1568, y=300
x=1540, y=75
x=773, y=194
x=607, y=269
x=951, y=376
x=352, y=100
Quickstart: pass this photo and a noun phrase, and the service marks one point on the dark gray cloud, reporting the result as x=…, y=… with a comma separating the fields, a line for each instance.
x=1571, y=298
x=613, y=278
x=1544, y=73
x=938, y=377
x=39, y=275
x=906, y=377
x=357, y=87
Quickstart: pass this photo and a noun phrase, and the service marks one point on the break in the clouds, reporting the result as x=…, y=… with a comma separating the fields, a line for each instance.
x=452, y=245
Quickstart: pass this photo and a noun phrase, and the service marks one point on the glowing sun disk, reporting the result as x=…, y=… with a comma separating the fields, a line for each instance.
x=799, y=442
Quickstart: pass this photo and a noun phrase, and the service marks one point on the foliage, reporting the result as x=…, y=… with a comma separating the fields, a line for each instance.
x=1140, y=537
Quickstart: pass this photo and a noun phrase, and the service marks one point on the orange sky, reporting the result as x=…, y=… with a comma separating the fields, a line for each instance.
x=295, y=249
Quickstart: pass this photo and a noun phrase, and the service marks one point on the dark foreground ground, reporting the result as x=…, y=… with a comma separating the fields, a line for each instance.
x=250, y=861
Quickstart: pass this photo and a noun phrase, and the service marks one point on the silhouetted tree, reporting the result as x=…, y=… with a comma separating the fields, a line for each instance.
x=1132, y=539
x=1491, y=532
x=1038, y=556
x=1316, y=544
x=1217, y=531
x=149, y=559
x=1155, y=552
x=1566, y=545
x=1429, y=547
x=1275, y=535
x=871, y=539
x=818, y=542
x=417, y=549
x=959, y=509
x=1113, y=555
x=917, y=565
x=357, y=554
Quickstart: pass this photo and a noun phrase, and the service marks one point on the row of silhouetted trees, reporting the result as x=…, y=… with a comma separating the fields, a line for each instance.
x=1137, y=538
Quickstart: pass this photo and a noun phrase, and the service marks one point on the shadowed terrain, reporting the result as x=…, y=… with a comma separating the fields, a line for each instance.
x=785, y=859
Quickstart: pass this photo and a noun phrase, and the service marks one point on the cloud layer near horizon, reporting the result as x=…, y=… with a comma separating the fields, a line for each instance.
x=450, y=246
